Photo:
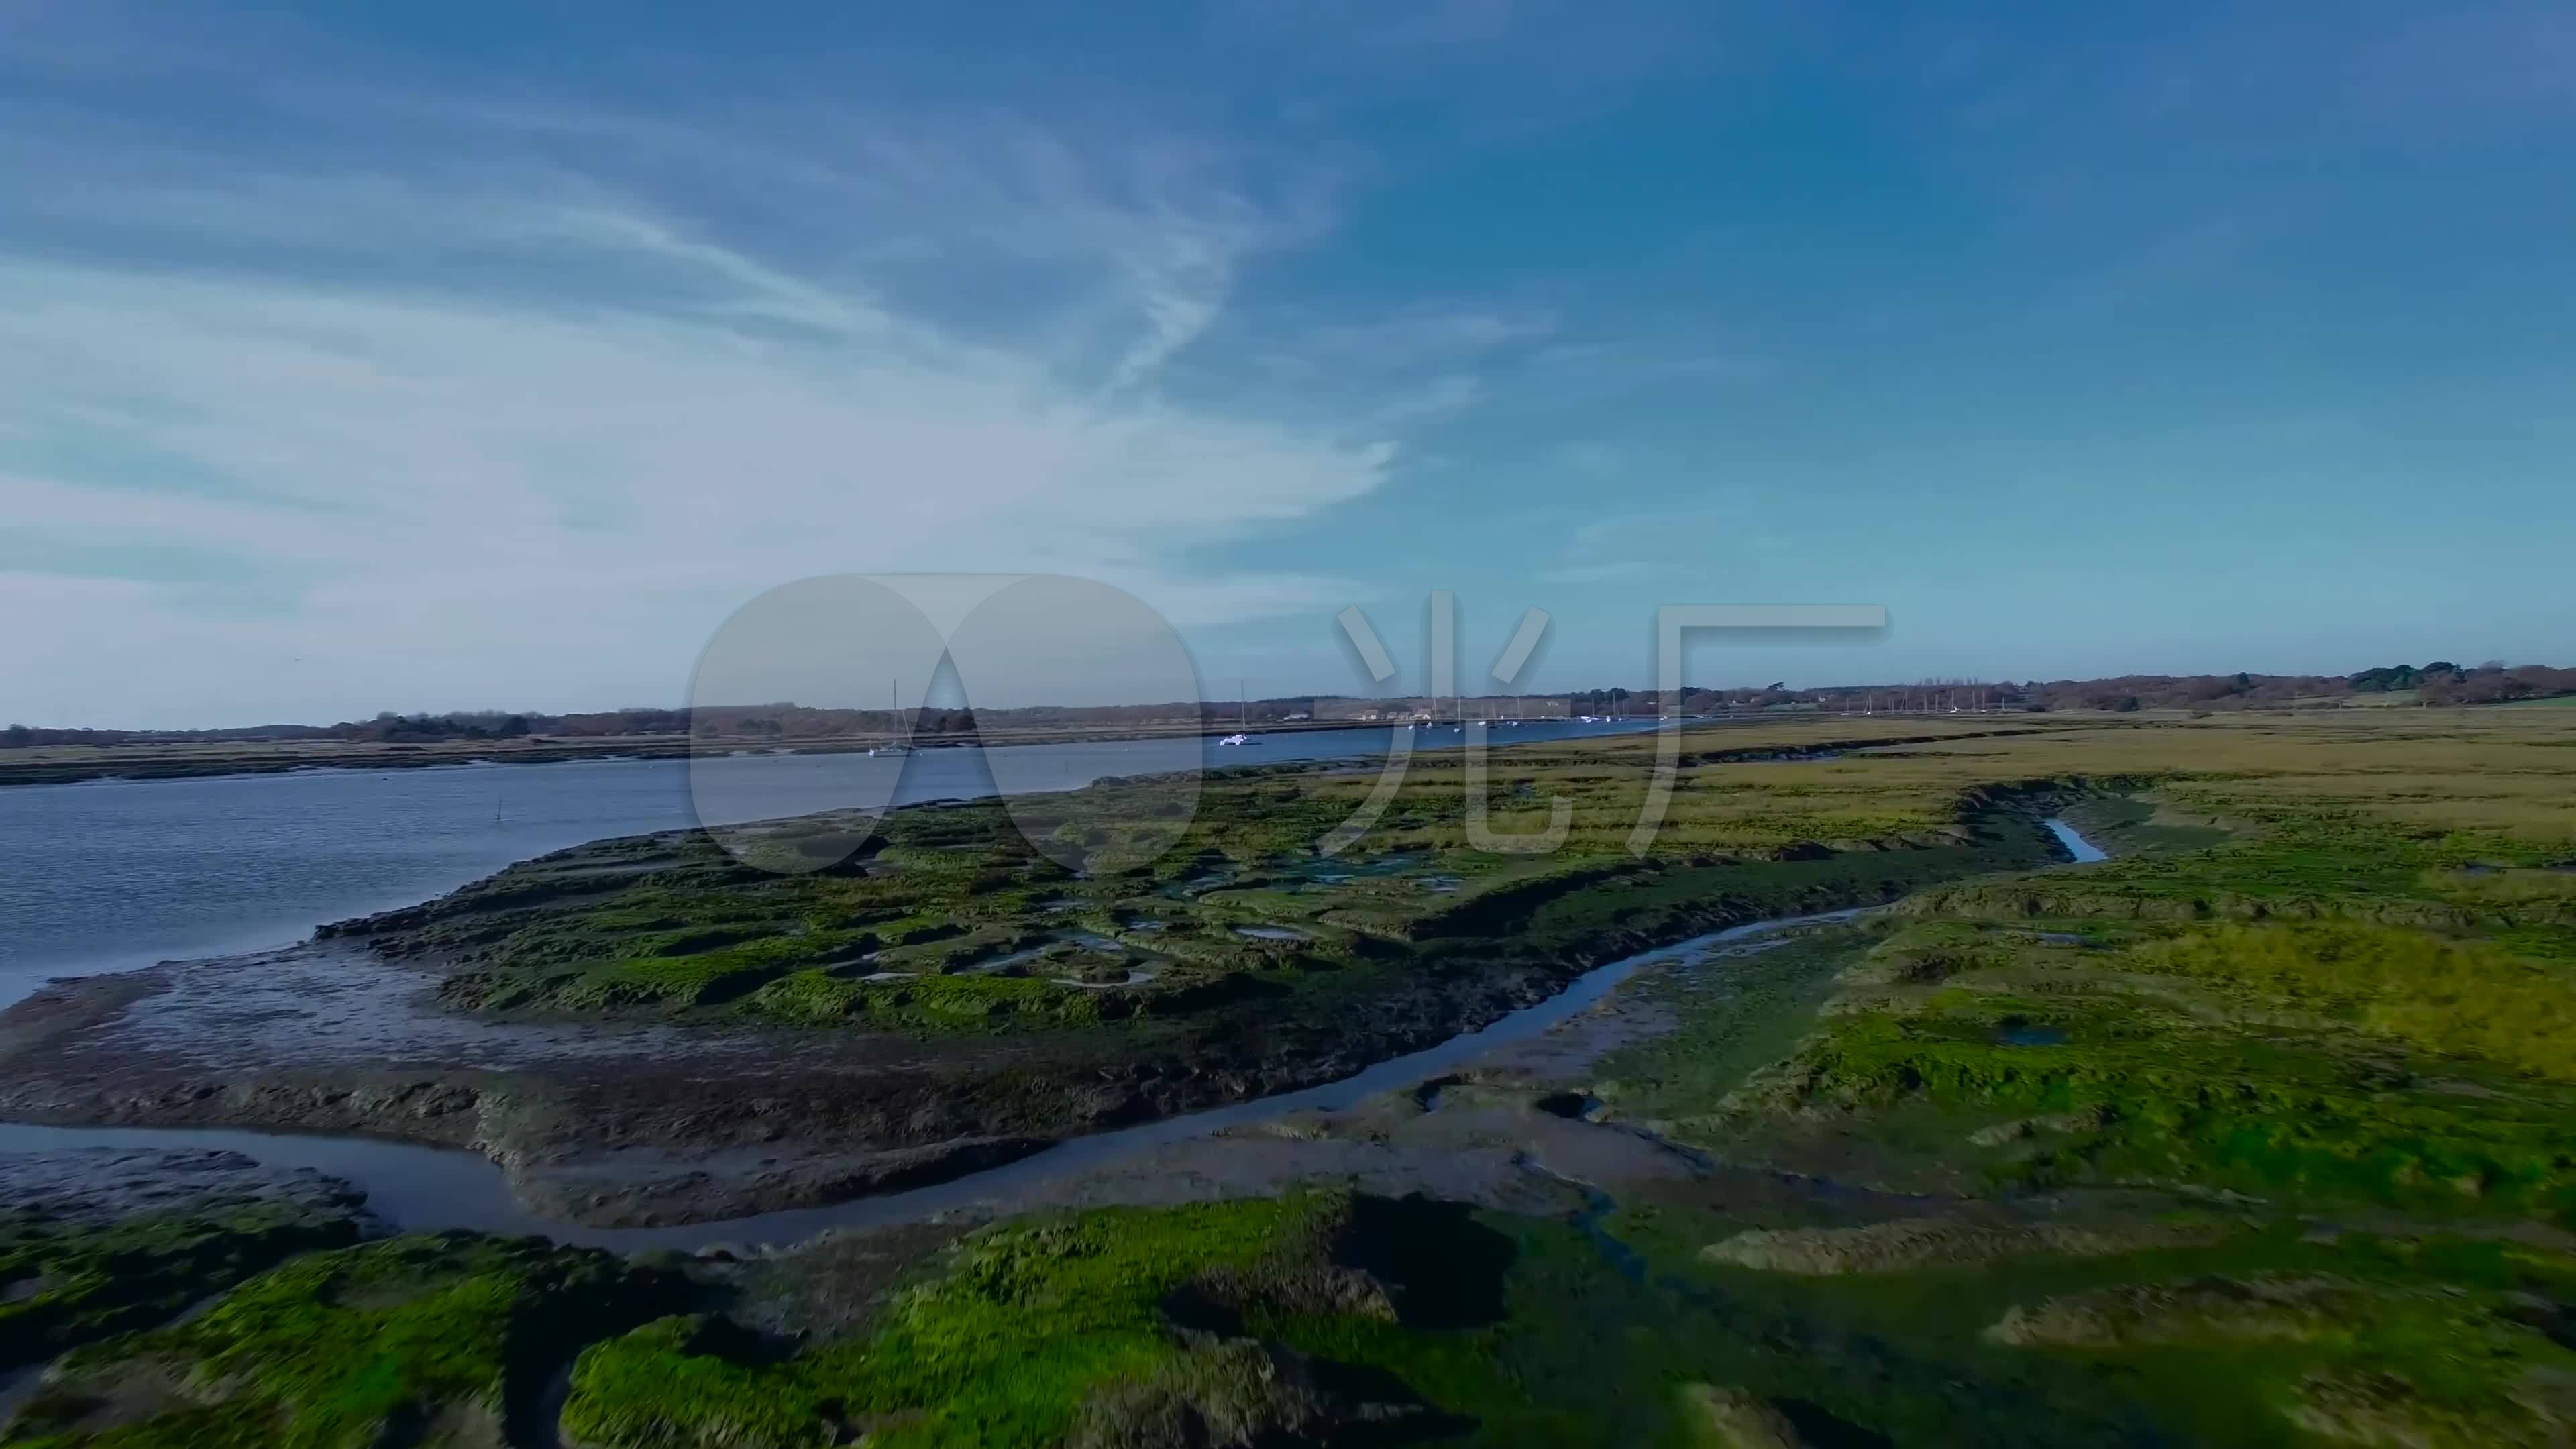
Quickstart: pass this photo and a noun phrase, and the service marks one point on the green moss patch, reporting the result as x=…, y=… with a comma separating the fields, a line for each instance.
x=429, y=1340
x=66, y=1282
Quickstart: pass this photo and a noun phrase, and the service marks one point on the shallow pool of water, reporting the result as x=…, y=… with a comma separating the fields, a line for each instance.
x=1272, y=933
x=2084, y=851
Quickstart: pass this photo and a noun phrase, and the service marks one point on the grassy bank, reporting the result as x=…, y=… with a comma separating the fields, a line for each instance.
x=950, y=919
x=2256, y=1134
x=67, y=1282
x=2261, y=1128
x=1041, y=998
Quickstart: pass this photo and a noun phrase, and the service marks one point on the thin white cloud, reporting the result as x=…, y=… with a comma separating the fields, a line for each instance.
x=1665, y=545
x=526, y=438
x=1444, y=396
x=1590, y=371
x=1610, y=571
x=1426, y=333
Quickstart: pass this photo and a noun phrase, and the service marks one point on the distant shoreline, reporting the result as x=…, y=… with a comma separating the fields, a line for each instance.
x=67, y=765
x=77, y=764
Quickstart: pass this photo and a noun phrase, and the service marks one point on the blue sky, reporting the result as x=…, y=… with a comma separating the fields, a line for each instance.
x=463, y=355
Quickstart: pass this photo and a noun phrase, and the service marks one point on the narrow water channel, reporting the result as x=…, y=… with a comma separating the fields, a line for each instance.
x=2084, y=851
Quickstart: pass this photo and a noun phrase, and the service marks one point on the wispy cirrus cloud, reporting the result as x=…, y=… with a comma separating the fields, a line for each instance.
x=1667, y=546
x=1611, y=571
x=437, y=433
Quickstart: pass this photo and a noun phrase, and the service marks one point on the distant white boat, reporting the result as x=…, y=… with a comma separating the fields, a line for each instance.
x=902, y=744
x=1242, y=718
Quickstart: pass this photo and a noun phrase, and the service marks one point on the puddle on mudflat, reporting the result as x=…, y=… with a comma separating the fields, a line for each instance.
x=1574, y=1106
x=1272, y=933
x=1334, y=869
x=1008, y=965
x=1199, y=885
x=1428, y=1094
x=278, y=1007
x=2083, y=851
x=1137, y=977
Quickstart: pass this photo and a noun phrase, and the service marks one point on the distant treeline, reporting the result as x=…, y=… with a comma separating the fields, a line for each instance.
x=763, y=722
x=2437, y=683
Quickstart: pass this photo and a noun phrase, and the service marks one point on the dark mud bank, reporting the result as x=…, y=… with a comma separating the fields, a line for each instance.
x=634, y=1127
x=426, y=1189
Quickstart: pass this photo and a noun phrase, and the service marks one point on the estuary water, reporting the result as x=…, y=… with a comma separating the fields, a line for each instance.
x=108, y=875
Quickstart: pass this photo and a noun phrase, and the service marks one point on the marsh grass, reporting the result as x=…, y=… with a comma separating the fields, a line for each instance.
x=67, y=1283
x=2444, y=822
x=1003, y=1345
x=2452, y=998
x=410, y=1340
x=2329, y=975
x=2320, y=995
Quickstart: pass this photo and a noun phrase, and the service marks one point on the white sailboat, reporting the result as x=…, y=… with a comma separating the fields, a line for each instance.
x=1242, y=718
x=894, y=707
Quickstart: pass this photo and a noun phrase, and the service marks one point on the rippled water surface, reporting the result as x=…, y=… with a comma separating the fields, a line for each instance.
x=107, y=875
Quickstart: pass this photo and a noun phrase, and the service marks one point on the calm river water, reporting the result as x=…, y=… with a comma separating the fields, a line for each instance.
x=109, y=875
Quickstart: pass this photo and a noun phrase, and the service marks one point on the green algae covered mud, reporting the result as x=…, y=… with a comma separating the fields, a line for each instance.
x=650, y=1030
x=95, y=1242
x=2256, y=1133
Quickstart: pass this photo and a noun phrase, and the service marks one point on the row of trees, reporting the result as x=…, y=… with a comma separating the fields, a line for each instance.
x=480, y=725
x=2397, y=677
x=794, y=722
x=2496, y=684
x=2438, y=683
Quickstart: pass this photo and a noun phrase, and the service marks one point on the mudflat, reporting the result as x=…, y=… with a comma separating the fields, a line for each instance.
x=665, y=1029
x=2252, y=1134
